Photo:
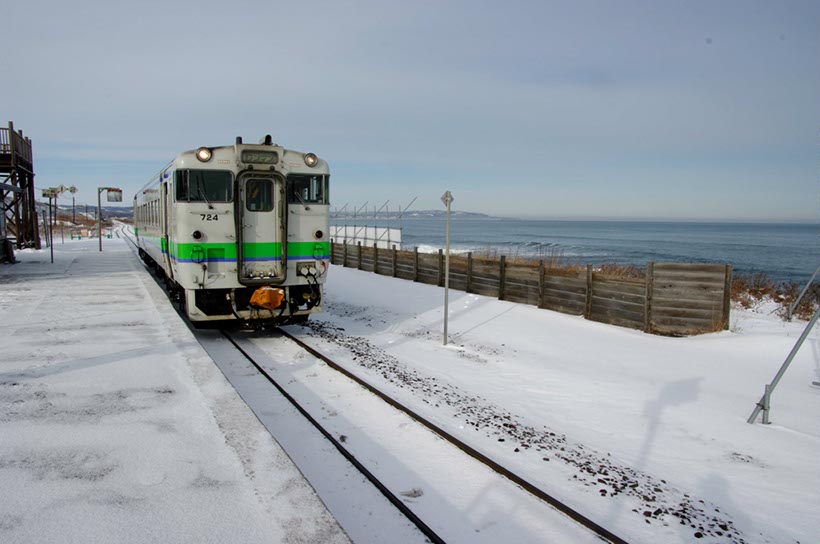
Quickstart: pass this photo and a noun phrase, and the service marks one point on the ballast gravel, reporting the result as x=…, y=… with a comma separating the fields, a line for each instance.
x=659, y=501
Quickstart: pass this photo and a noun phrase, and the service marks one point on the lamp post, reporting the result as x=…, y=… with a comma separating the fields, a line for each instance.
x=112, y=194
x=447, y=198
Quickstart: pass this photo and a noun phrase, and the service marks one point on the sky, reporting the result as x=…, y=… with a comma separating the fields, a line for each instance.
x=682, y=110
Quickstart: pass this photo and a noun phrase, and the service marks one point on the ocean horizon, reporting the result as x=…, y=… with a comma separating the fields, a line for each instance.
x=784, y=251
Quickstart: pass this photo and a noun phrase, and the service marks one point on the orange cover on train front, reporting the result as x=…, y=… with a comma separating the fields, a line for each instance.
x=267, y=297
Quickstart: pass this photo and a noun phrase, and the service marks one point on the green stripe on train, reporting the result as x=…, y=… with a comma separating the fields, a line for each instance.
x=258, y=250
x=184, y=251
x=309, y=249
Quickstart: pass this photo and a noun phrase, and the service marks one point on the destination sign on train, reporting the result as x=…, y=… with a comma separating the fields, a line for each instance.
x=260, y=157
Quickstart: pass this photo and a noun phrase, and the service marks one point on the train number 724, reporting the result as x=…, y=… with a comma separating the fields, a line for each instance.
x=209, y=216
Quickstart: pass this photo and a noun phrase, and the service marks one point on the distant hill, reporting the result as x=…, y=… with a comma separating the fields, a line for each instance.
x=119, y=212
x=414, y=214
x=443, y=213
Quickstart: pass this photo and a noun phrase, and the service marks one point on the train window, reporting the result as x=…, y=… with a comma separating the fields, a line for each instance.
x=259, y=195
x=307, y=189
x=203, y=186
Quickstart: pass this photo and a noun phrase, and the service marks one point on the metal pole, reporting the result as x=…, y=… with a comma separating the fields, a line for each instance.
x=57, y=218
x=50, y=231
x=446, y=273
x=73, y=210
x=400, y=214
x=765, y=400
x=99, y=216
x=45, y=229
x=447, y=198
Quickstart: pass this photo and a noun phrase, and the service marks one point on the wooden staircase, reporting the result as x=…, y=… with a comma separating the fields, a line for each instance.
x=18, y=217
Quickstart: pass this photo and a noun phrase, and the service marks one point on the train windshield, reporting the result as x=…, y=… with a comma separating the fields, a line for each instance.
x=203, y=186
x=307, y=189
x=259, y=195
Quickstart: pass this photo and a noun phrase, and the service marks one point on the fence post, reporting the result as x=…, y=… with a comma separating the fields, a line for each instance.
x=375, y=258
x=588, y=305
x=542, y=280
x=502, y=276
x=360, y=255
x=344, y=253
x=416, y=263
x=394, y=260
x=441, y=268
x=469, y=272
x=727, y=296
x=650, y=286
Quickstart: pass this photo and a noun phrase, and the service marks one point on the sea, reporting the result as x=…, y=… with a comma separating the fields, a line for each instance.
x=784, y=252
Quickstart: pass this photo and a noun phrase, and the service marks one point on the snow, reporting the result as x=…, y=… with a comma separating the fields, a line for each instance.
x=118, y=426
x=362, y=511
x=671, y=410
x=460, y=499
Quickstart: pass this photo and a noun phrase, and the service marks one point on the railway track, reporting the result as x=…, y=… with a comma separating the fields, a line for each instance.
x=383, y=489
x=428, y=532
x=598, y=530
x=578, y=517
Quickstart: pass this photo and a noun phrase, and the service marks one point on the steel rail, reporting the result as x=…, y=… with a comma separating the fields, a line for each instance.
x=562, y=507
x=403, y=508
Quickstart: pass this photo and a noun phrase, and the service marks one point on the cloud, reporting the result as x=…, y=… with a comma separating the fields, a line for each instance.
x=562, y=96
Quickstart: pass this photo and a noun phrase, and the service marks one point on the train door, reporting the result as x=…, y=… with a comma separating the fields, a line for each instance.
x=166, y=222
x=260, y=229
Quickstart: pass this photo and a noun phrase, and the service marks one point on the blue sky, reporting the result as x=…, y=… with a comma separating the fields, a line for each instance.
x=571, y=109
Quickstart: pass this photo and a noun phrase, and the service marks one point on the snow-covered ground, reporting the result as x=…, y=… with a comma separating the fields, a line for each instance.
x=116, y=425
x=645, y=434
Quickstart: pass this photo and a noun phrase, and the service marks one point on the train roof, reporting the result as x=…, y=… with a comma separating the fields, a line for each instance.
x=229, y=155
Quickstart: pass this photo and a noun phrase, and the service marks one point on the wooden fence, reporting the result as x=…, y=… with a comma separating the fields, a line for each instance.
x=671, y=299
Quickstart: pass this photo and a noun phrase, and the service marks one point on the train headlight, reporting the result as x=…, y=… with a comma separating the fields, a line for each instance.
x=319, y=234
x=196, y=235
x=203, y=154
x=311, y=159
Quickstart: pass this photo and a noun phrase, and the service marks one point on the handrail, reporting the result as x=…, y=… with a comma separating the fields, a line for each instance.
x=16, y=143
x=5, y=144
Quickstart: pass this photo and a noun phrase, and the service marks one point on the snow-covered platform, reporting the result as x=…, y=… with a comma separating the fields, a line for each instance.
x=116, y=426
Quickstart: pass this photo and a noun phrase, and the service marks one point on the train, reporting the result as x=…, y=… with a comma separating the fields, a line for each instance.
x=239, y=232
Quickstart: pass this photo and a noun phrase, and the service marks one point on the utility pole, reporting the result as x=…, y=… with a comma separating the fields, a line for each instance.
x=50, y=230
x=50, y=193
x=73, y=190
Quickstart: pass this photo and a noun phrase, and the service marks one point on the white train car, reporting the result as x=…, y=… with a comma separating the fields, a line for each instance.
x=239, y=232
